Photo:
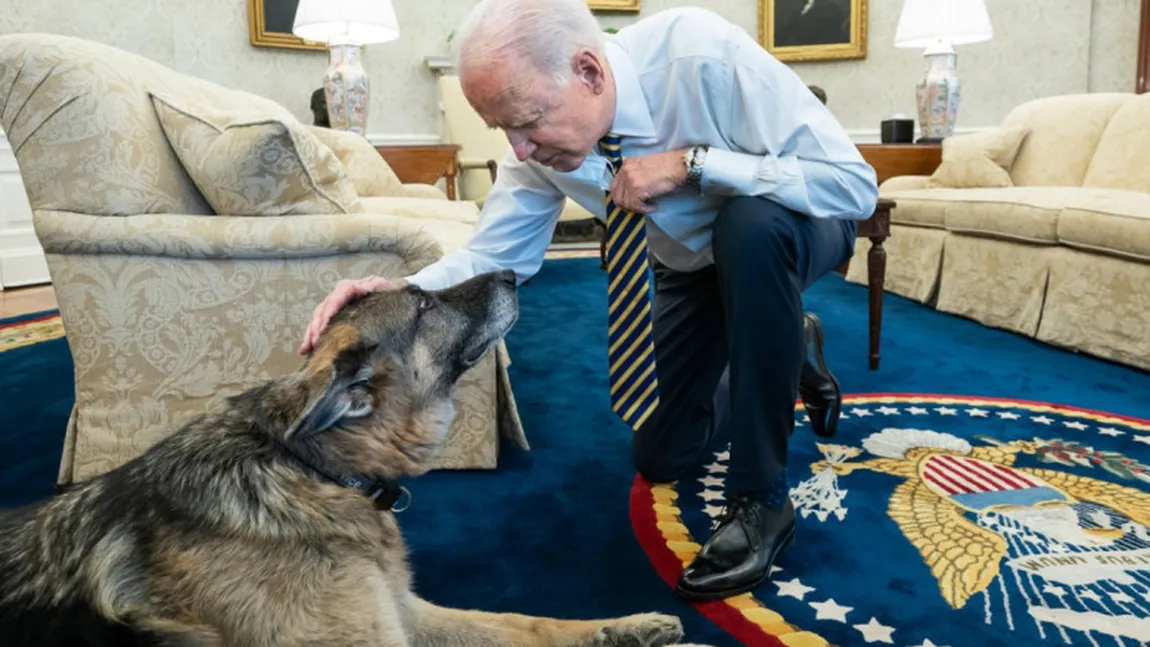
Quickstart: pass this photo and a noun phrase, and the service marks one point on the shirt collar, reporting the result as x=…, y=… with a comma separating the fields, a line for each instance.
x=632, y=116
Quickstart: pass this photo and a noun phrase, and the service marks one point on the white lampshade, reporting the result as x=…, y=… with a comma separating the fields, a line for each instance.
x=346, y=22
x=951, y=22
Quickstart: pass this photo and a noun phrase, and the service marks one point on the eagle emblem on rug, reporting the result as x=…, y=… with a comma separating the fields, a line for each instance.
x=934, y=521
x=1071, y=529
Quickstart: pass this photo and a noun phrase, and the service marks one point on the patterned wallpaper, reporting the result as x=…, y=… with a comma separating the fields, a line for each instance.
x=1053, y=46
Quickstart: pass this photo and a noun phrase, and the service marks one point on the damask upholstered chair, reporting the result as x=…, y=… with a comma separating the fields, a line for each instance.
x=191, y=229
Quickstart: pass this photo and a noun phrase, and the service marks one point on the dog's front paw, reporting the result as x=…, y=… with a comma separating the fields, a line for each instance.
x=642, y=630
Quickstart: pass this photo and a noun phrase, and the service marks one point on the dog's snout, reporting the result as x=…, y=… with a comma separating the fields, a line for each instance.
x=508, y=277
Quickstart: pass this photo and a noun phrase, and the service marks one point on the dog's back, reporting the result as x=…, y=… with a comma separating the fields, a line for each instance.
x=34, y=610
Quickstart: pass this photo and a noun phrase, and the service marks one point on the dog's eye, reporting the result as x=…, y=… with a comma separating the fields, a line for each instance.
x=425, y=302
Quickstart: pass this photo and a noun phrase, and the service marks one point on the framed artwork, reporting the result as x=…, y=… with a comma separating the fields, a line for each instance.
x=613, y=5
x=813, y=30
x=270, y=25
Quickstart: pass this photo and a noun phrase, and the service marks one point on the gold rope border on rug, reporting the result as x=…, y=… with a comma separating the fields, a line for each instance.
x=31, y=332
x=679, y=541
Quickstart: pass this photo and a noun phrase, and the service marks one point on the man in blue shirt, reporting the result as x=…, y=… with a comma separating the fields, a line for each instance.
x=715, y=166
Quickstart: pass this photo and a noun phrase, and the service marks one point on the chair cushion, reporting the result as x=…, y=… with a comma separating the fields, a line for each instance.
x=248, y=164
x=981, y=159
x=1111, y=221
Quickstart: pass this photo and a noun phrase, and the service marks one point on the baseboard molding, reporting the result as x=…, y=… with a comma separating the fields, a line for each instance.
x=23, y=266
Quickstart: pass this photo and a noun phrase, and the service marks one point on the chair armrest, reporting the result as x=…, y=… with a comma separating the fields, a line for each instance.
x=473, y=164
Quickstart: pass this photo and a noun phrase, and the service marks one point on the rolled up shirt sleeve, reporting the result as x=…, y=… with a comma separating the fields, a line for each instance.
x=787, y=145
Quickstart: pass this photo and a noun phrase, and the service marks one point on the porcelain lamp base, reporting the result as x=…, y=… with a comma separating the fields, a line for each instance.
x=938, y=95
x=346, y=89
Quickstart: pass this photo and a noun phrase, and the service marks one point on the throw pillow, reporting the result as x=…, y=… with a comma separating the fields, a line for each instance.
x=978, y=159
x=369, y=173
x=255, y=165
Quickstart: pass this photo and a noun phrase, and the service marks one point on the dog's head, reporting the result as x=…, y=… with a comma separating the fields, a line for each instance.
x=380, y=379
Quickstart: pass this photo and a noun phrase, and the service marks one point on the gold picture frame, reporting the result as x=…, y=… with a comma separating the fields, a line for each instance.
x=270, y=25
x=613, y=5
x=813, y=30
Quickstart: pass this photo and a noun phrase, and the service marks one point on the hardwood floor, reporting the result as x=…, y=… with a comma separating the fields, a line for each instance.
x=20, y=301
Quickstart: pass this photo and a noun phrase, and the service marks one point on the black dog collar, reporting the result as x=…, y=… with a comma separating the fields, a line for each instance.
x=384, y=494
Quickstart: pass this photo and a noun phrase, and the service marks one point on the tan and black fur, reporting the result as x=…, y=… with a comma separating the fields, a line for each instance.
x=228, y=533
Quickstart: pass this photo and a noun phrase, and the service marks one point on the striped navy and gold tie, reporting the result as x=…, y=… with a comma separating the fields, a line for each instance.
x=630, y=341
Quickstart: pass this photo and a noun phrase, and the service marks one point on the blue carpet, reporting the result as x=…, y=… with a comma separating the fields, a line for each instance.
x=550, y=532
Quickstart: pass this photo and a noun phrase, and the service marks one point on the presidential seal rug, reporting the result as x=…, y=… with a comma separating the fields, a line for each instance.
x=941, y=520
x=1015, y=535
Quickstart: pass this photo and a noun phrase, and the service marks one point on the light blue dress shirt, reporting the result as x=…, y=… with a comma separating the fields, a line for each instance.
x=683, y=77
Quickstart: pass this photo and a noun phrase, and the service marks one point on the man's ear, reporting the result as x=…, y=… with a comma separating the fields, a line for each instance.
x=589, y=69
x=345, y=395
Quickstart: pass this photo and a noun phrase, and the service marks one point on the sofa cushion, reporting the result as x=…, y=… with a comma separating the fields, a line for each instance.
x=463, y=211
x=1122, y=159
x=1028, y=214
x=1064, y=133
x=1025, y=213
x=1110, y=221
x=978, y=160
x=248, y=164
x=365, y=167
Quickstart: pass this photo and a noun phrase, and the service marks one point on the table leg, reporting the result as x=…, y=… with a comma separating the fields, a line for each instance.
x=876, y=278
x=452, y=172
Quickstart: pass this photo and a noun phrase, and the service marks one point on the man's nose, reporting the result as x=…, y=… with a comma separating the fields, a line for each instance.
x=522, y=146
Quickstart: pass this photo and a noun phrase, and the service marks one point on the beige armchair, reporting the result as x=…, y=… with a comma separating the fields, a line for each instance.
x=170, y=303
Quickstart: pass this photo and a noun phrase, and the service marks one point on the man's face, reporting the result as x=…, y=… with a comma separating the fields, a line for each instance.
x=556, y=125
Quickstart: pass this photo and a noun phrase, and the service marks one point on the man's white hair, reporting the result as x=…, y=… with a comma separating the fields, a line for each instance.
x=543, y=33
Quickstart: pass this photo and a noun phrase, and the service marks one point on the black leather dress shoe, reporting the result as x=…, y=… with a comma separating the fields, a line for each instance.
x=818, y=387
x=739, y=555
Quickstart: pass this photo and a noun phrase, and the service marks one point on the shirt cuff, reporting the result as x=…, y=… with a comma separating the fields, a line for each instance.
x=732, y=173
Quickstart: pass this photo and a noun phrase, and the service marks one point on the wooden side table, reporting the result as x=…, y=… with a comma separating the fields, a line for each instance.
x=424, y=164
x=890, y=160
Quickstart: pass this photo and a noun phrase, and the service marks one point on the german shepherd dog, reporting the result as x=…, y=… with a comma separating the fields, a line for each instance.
x=268, y=520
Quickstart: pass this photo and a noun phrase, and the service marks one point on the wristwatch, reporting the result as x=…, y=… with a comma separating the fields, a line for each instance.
x=694, y=158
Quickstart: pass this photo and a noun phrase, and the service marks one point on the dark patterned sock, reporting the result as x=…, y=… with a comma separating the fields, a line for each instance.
x=774, y=497
x=778, y=494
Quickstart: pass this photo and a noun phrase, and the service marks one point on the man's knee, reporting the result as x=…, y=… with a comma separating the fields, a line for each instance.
x=757, y=226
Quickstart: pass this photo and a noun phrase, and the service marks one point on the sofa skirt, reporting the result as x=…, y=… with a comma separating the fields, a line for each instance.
x=1098, y=305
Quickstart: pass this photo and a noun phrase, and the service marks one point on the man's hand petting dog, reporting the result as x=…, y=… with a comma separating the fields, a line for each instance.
x=343, y=293
x=643, y=178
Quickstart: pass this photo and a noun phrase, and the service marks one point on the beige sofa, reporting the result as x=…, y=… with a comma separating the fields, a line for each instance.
x=170, y=303
x=1049, y=238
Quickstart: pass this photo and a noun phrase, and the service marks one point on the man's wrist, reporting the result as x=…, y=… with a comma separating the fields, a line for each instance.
x=693, y=160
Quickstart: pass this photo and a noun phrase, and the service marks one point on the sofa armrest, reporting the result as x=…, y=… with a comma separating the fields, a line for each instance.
x=181, y=236
x=903, y=183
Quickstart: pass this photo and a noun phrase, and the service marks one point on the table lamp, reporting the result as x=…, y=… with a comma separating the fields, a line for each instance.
x=346, y=26
x=938, y=25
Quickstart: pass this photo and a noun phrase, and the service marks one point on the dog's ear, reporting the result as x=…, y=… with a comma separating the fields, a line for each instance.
x=344, y=396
